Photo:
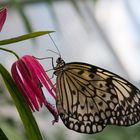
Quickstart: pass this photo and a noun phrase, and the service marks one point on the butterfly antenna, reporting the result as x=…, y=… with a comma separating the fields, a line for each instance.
x=55, y=46
x=53, y=52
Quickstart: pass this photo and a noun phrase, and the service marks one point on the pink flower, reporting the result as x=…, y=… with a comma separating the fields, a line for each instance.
x=30, y=77
x=3, y=14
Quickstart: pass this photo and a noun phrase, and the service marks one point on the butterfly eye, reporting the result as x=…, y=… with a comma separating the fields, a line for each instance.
x=59, y=60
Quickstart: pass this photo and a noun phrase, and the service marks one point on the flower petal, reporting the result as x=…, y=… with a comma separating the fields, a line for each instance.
x=3, y=14
x=44, y=78
x=30, y=77
x=30, y=86
x=20, y=84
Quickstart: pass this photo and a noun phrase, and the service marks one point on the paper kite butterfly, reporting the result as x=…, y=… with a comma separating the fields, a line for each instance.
x=89, y=98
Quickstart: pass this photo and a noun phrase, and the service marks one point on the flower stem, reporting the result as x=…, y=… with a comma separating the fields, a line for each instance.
x=10, y=51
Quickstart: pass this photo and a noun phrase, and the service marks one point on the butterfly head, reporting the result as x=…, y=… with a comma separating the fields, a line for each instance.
x=59, y=60
x=60, y=64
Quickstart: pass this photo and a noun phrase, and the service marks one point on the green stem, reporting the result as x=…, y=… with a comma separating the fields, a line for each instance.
x=10, y=51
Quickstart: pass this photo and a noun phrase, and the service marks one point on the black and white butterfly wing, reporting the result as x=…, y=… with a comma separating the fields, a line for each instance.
x=89, y=98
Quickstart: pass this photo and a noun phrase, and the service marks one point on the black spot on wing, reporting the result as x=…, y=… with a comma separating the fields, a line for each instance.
x=73, y=92
x=83, y=88
x=91, y=75
x=109, y=81
x=93, y=69
x=100, y=103
x=80, y=72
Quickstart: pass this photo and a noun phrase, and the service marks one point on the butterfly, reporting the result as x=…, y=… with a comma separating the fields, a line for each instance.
x=89, y=98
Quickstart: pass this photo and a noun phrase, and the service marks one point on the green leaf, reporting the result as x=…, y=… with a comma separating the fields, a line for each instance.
x=24, y=37
x=25, y=113
x=2, y=135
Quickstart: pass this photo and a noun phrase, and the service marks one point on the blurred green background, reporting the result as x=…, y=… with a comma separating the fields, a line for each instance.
x=105, y=33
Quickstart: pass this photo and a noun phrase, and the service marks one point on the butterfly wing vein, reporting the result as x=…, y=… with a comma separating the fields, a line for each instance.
x=89, y=98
